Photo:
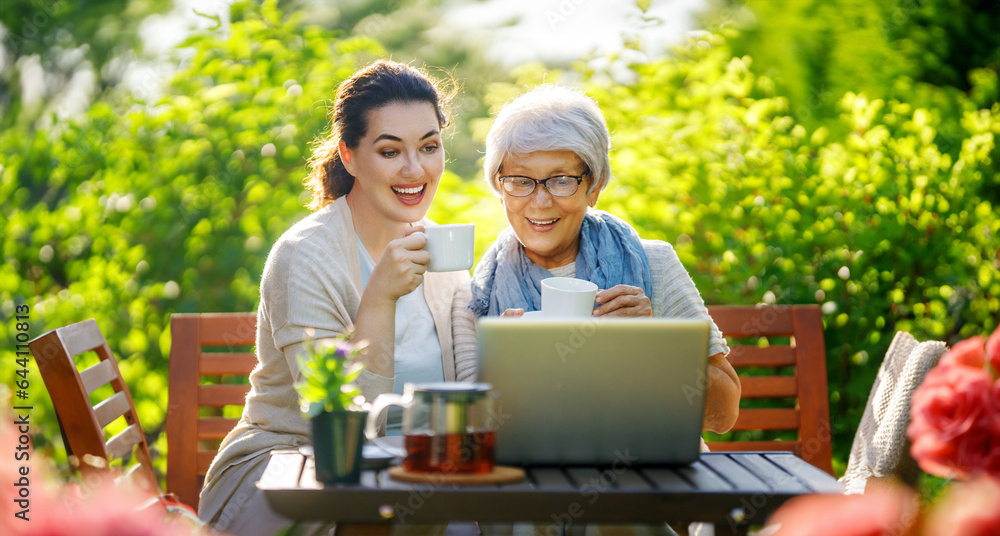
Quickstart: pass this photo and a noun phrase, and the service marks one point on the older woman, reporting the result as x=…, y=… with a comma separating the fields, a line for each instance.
x=547, y=160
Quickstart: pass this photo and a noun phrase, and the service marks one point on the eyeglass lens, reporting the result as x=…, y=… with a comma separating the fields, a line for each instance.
x=559, y=186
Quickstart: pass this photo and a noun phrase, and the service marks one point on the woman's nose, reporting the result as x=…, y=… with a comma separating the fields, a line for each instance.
x=541, y=197
x=411, y=166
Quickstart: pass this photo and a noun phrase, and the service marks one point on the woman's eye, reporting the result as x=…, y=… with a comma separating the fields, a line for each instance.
x=430, y=148
x=388, y=153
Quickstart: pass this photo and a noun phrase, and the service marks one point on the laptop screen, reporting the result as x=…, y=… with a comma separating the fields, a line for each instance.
x=595, y=391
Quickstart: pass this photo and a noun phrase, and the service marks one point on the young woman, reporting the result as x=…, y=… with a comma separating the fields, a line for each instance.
x=356, y=265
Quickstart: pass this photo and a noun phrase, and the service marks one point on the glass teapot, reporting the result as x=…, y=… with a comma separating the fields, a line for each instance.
x=448, y=427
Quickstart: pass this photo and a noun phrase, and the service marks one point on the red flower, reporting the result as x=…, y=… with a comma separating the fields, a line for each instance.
x=993, y=410
x=955, y=426
x=993, y=351
x=969, y=509
x=968, y=352
x=94, y=507
x=882, y=510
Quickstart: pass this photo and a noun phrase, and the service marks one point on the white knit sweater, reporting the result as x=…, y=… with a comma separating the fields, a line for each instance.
x=674, y=296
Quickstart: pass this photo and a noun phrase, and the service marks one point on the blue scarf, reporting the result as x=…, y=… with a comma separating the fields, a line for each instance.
x=610, y=254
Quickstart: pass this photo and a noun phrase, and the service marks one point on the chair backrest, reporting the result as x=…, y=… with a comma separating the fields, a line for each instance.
x=210, y=356
x=785, y=389
x=881, y=448
x=82, y=421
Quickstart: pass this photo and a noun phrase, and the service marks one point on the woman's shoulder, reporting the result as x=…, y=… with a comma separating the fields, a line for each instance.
x=318, y=239
x=312, y=231
x=659, y=253
x=664, y=265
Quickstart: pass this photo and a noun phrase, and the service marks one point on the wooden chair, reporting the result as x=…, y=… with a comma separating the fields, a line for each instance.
x=792, y=376
x=206, y=351
x=83, y=423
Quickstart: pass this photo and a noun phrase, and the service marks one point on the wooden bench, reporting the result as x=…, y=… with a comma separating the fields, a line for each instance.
x=210, y=357
x=202, y=356
x=790, y=378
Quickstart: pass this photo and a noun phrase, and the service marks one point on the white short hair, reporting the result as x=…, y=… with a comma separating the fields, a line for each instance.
x=550, y=118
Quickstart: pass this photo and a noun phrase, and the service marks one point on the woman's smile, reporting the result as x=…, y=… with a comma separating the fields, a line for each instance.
x=410, y=194
x=542, y=225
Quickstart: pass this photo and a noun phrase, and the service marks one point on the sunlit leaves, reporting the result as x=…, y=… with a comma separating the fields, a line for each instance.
x=145, y=209
x=869, y=218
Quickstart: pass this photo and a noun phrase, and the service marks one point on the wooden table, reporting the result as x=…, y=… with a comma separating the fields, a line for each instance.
x=732, y=490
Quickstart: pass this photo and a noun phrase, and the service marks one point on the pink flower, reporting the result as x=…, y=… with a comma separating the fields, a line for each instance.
x=992, y=427
x=968, y=352
x=993, y=351
x=993, y=409
x=104, y=511
x=955, y=413
x=969, y=509
x=951, y=403
x=95, y=506
x=882, y=510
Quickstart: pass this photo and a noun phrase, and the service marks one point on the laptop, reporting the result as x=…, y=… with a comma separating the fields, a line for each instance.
x=596, y=391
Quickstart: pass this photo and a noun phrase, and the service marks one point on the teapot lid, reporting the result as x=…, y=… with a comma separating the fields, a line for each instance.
x=448, y=389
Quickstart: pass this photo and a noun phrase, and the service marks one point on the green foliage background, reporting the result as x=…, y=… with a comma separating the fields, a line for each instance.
x=881, y=205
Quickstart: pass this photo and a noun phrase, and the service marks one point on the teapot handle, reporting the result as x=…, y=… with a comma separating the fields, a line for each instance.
x=380, y=404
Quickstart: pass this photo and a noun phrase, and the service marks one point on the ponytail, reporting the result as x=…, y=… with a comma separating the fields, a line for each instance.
x=328, y=179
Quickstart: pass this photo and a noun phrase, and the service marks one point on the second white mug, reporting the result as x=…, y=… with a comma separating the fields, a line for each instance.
x=568, y=297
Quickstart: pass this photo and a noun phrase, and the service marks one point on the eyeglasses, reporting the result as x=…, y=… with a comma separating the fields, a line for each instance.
x=559, y=186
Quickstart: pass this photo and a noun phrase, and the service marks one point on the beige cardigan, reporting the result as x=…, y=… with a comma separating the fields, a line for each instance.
x=312, y=279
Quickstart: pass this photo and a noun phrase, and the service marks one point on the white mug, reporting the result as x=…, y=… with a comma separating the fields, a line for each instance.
x=451, y=246
x=568, y=297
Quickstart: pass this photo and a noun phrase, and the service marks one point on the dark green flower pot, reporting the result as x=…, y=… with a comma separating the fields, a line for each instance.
x=337, y=440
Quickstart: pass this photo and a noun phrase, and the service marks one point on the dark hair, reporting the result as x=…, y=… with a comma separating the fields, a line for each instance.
x=379, y=84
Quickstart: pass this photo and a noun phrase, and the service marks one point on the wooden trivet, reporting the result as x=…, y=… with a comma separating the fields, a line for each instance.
x=501, y=475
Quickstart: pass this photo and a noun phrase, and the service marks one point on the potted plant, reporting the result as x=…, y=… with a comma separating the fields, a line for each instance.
x=334, y=407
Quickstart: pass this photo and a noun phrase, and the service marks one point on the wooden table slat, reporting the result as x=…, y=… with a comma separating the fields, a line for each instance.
x=549, y=478
x=524, y=485
x=702, y=478
x=588, y=479
x=308, y=478
x=370, y=479
x=739, y=476
x=631, y=480
x=813, y=477
x=764, y=469
x=664, y=478
x=283, y=470
x=387, y=482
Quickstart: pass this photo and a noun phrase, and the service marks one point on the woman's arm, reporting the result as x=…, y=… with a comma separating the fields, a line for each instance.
x=463, y=332
x=675, y=296
x=722, y=397
x=398, y=272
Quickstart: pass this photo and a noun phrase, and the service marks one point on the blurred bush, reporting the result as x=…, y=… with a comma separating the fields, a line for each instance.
x=879, y=225
x=144, y=210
